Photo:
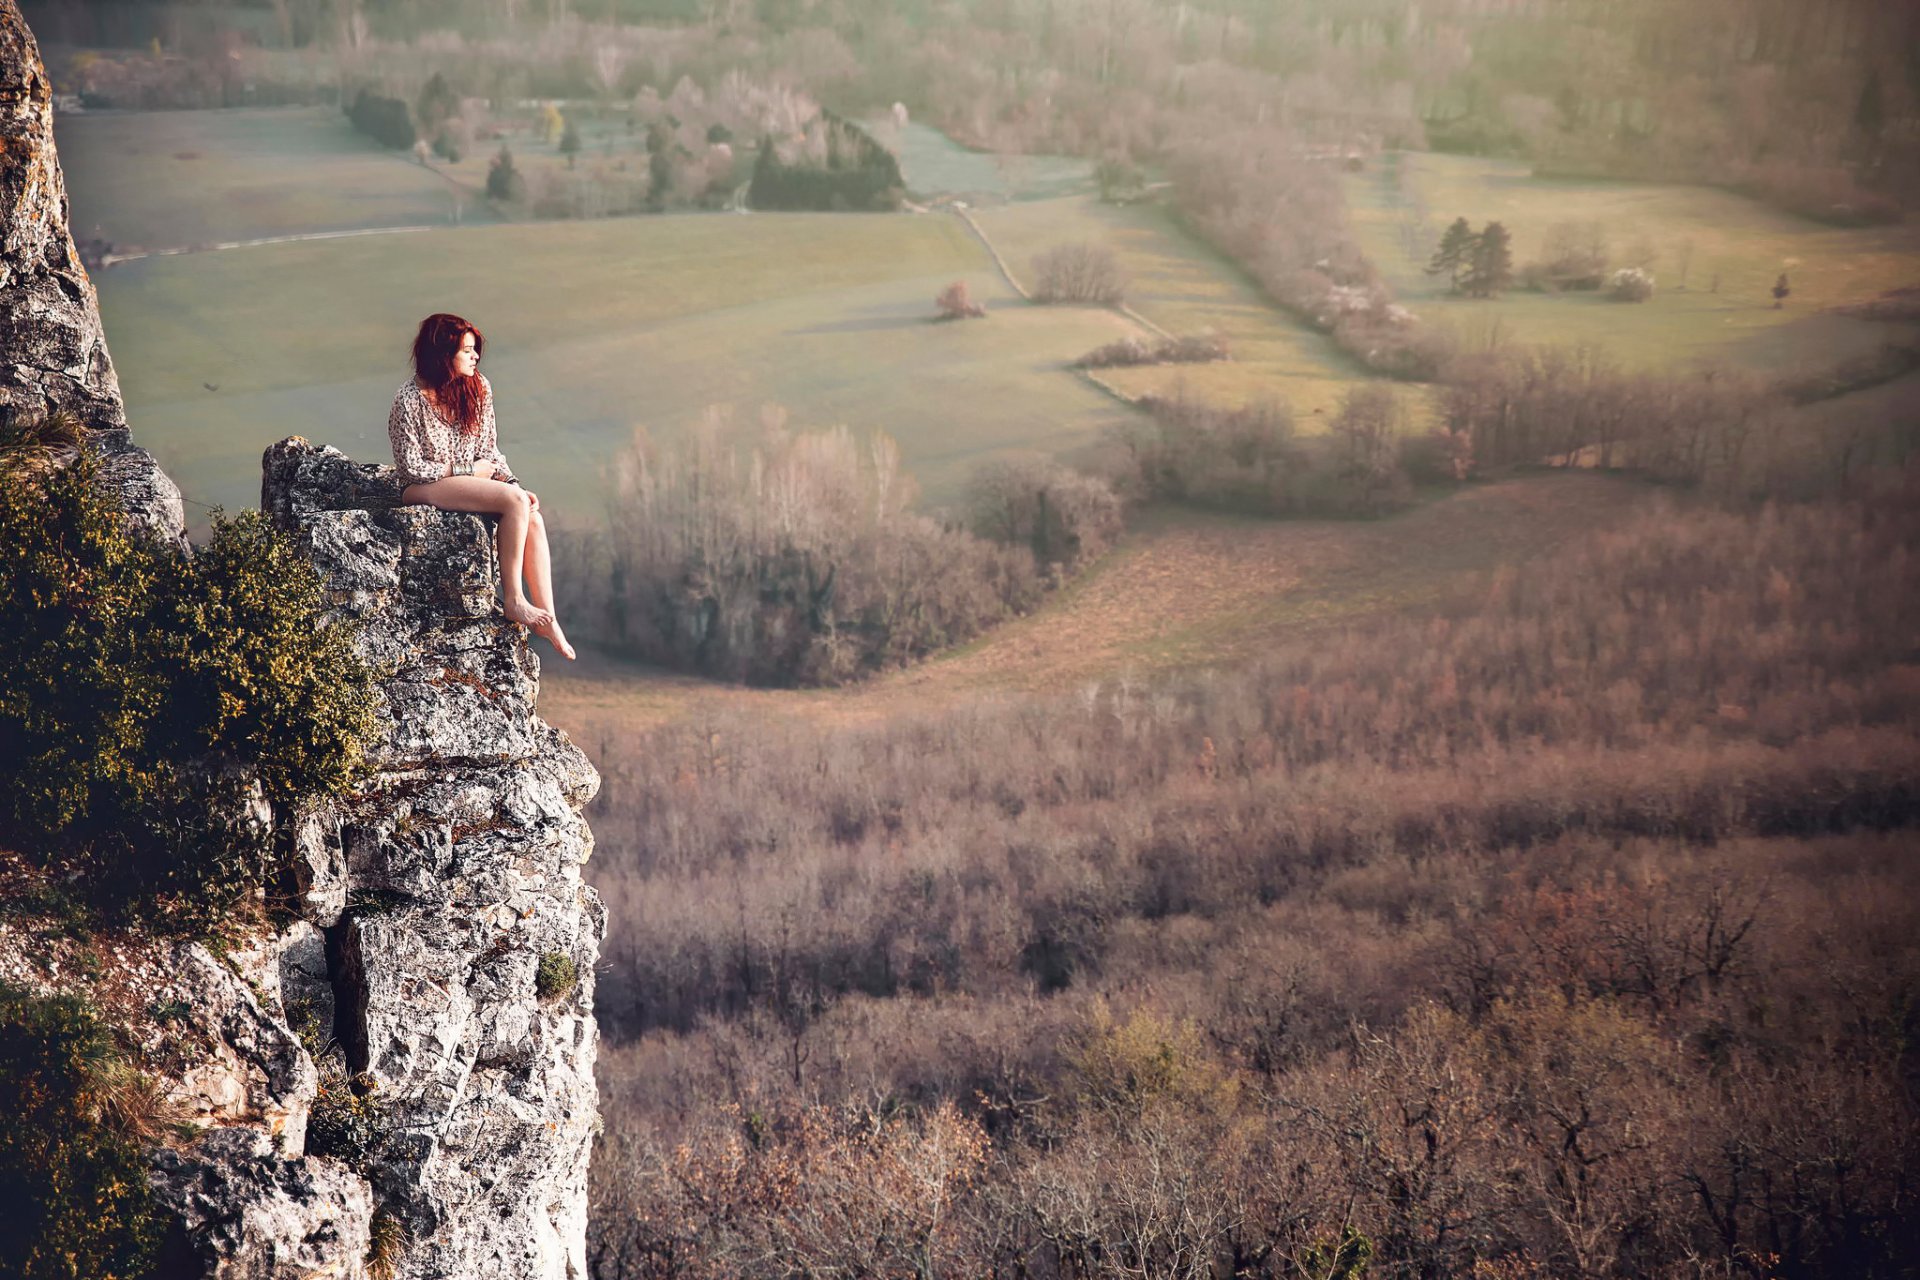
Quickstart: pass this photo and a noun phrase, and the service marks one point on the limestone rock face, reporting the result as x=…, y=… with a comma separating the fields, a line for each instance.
x=244, y=1213
x=53, y=354
x=400, y=1019
x=445, y=883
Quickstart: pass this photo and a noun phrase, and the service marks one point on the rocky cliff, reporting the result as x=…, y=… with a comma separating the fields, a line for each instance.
x=395, y=1071
x=459, y=937
x=53, y=355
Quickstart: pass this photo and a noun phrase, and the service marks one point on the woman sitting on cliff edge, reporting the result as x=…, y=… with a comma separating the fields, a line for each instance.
x=447, y=451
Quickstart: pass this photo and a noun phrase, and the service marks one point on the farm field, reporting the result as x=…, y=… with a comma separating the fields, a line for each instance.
x=1183, y=286
x=170, y=179
x=1404, y=201
x=827, y=315
x=1183, y=590
x=935, y=165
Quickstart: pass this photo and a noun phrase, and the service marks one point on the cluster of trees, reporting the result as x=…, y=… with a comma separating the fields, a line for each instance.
x=795, y=557
x=1249, y=459
x=1476, y=263
x=1553, y=934
x=1573, y=406
x=835, y=165
x=1806, y=106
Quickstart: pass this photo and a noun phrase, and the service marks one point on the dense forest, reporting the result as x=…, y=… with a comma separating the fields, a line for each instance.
x=1569, y=930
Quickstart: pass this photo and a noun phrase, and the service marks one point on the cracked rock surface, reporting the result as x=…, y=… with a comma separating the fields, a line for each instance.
x=402, y=971
x=443, y=885
x=53, y=353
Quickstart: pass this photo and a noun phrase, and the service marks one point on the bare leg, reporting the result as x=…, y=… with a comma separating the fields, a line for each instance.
x=539, y=562
x=491, y=497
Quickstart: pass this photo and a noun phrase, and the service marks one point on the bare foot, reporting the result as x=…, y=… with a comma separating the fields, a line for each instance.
x=526, y=615
x=556, y=637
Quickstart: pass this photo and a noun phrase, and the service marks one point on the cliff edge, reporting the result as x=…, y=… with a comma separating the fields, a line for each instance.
x=392, y=1072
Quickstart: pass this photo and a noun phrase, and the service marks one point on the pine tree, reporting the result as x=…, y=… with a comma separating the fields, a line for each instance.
x=438, y=104
x=503, y=180
x=1490, y=265
x=1456, y=249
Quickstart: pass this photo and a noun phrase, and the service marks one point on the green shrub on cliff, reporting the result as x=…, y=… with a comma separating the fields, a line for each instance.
x=71, y=1174
x=150, y=695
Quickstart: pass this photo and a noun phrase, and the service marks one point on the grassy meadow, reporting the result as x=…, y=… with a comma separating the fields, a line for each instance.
x=935, y=165
x=596, y=328
x=221, y=354
x=1183, y=286
x=1404, y=201
x=170, y=179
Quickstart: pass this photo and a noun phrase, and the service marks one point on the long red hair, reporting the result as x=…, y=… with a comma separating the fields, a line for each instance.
x=460, y=398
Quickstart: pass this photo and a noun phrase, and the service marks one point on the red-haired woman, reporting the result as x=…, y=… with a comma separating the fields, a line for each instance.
x=447, y=452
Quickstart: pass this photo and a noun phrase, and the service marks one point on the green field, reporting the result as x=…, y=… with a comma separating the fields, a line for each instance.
x=595, y=329
x=170, y=179
x=1404, y=201
x=935, y=165
x=1184, y=287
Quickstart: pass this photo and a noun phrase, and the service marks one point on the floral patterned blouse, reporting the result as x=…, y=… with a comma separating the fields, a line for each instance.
x=426, y=446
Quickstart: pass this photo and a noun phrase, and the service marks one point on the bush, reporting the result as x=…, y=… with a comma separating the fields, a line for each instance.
x=385, y=120
x=1870, y=370
x=1576, y=258
x=1120, y=179
x=1630, y=284
x=1190, y=348
x=1825, y=193
x=1064, y=517
x=348, y=1120
x=153, y=699
x=955, y=303
x=1242, y=459
x=555, y=977
x=1079, y=273
x=72, y=1177
x=504, y=182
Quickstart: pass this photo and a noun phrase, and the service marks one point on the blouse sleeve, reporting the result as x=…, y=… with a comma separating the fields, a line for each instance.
x=405, y=432
x=489, y=442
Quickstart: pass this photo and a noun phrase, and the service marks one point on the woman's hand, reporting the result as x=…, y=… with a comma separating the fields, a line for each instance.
x=483, y=469
x=533, y=500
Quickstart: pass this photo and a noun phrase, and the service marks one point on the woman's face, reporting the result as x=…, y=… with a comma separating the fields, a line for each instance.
x=466, y=361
